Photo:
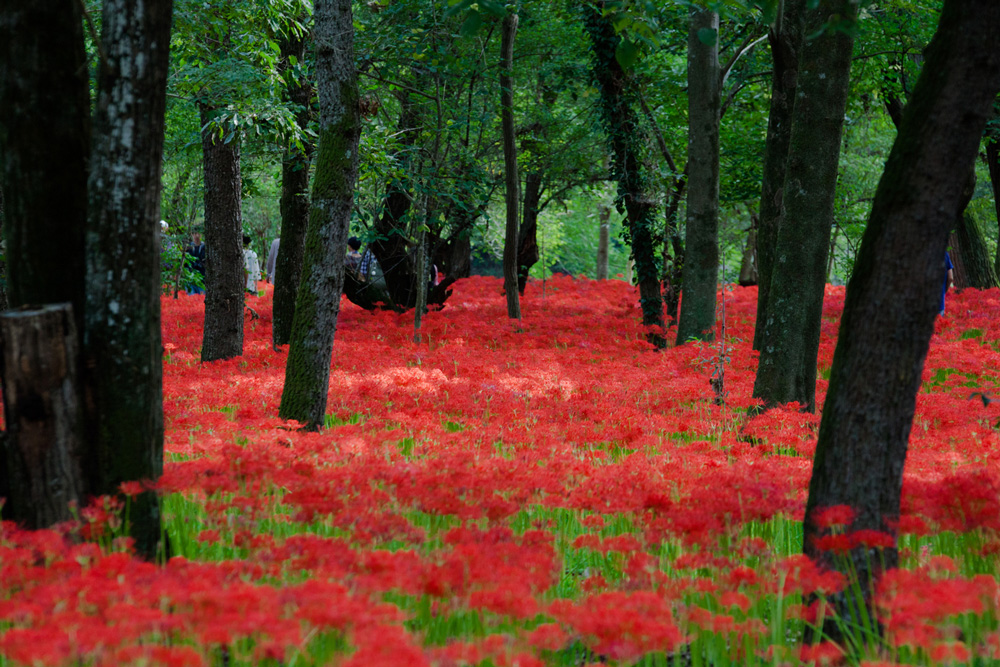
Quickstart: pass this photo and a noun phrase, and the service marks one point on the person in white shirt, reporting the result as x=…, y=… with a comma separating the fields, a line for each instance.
x=251, y=266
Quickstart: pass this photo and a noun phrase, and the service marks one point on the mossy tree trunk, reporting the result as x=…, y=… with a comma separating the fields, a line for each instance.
x=225, y=283
x=701, y=237
x=512, y=181
x=993, y=162
x=892, y=298
x=123, y=355
x=787, y=369
x=307, y=373
x=626, y=139
x=785, y=38
x=294, y=191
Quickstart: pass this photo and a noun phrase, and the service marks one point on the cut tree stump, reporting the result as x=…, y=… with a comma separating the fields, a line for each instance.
x=42, y=444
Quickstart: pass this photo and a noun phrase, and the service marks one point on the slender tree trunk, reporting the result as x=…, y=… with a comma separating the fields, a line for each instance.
x=307, y=373
x=225, y=283
x=787, y=369
x=513, y=182
x=603, y=242
x=625, y=138
x=892, y=298
x=294, y=197
x=527, y=252
x=785, y=38
x=701, y=242
x=44, y=141
x=121, y=342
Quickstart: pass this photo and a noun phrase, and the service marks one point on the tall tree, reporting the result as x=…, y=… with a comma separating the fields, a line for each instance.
x=294, y=186
x=225, y=282
x=511, y=179
x=626, y=140
x=121, y=339
x=701, y=261
x=785, y=38
x=892, y=298
x=307, y=372
x=787, y=369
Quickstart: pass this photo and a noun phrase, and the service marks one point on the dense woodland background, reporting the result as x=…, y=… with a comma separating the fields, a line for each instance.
x=443, y=62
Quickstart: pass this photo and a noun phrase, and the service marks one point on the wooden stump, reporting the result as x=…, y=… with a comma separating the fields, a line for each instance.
x=42, y=444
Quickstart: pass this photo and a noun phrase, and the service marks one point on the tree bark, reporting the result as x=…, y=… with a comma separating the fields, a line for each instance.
x=511, y=179
x=225, y=283
x=121, y=342
x=701, y=239
x=993, y=162
x=294, y=197
x=892, y=298
x=785, y=38
x=971, y=257
x=527, y=252
x=307, y=373
x=626, y=140
x=45, y=140
x=787, y=369
x=43, y=444
x=3, y=262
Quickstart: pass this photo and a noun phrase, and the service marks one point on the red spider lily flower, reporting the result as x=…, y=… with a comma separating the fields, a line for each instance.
x=950, y=652
x=547, y=637
x=824, y=653
x=734, y=599
x=836, y=516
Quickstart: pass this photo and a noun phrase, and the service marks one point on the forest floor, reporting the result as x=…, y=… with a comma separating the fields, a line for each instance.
x=550, y=493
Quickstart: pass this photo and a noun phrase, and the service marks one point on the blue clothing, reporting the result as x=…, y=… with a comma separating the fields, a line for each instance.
x=948, y=266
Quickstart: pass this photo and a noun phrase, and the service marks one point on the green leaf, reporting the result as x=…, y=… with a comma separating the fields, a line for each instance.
x=472, y=24
x=627, y=53
x=708, y=36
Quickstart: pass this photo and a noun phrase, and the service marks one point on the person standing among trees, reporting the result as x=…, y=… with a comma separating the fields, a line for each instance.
x=949, y=278
x=251, y=265
x=196, y=253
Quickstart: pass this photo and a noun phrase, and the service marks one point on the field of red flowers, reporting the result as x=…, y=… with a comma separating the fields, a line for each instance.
x=558, y=494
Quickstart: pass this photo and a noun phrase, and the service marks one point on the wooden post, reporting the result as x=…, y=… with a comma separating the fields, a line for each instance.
x=42, y=447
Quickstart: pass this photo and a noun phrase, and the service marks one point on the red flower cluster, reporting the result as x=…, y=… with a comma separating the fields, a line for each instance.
x=507, y=492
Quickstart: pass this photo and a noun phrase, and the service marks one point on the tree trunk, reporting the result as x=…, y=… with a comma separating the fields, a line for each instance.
x=3, y=260
x=121, y=342
x=993, y=162
x=45, y=139
x=225, y=282
x=785, y=38
x=294, y=197
x=626, y=140
x=701, y=241
x=307, y=373
x=892, y=298
x=971, y=257
x=43, y=442
x=527, y=252
x=787, y=369
x=511, y=179
x=603, y=242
